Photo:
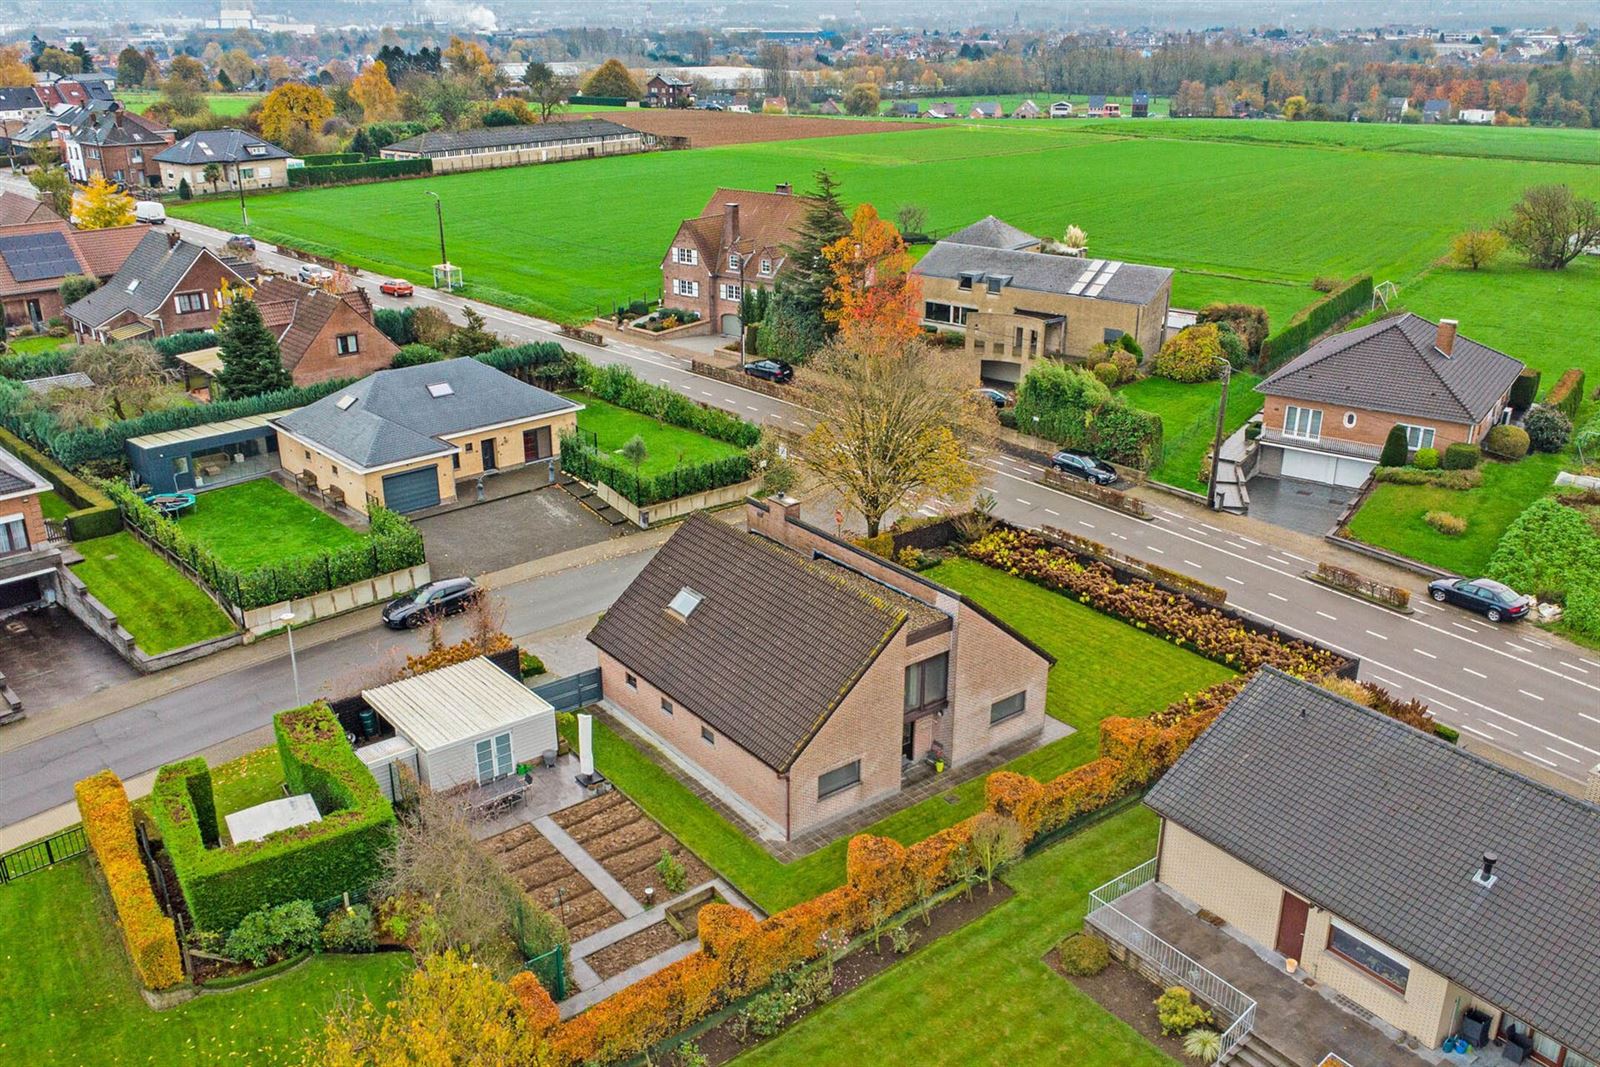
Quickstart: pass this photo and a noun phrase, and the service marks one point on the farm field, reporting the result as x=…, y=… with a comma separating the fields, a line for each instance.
x=231, y=104
x=1237, y=220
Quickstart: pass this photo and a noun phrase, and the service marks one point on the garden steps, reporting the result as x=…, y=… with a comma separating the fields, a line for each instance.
x=1254, y=1052
x=586, y=496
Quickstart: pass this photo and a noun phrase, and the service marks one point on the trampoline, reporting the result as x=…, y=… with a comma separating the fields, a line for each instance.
x=170, y=503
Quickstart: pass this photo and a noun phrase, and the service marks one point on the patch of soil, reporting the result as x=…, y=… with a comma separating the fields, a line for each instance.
x=628, y=843
x=718, y=1044
x=635, y=948
x=547, y=877
x=707, y=128
x=1128, y=996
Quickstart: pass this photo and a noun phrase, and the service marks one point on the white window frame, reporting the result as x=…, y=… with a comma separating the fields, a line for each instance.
x=180, y=299
x=12, y=529
x=732, y=292
x=685, y=287
x=733, y=261
x=1349, y=419
x=1418, y=436
x=1303, y=424
x=766, y=266
x=689, y=257
x=494, y=755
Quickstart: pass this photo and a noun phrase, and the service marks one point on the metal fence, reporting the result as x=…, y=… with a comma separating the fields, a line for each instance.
x=1171, y=965
x=551, y=970
x=41, y=854
x=572, y=692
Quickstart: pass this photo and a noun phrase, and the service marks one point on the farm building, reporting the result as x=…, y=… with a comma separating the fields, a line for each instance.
x=1141, y=105
x=1061, y=109
x=515, y=146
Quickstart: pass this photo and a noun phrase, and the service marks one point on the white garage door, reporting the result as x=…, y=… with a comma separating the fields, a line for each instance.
x=1321, y=467
x=730, y=326
x=1352, y=472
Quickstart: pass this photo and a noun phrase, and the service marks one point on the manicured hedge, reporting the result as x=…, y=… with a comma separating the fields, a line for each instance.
x=315, y=862
x=543, y=363
x=599, y=101
x=1312, y=322
x=620, y=386
x=321, y=159
x=1566, y=396
x=94, y=514
x=1551, y=552
x=1075, y=409
x=583, y=461
x=150, y=936
x=375, y=170
x=36, y=365
x=175, y=344
x=1524, y=389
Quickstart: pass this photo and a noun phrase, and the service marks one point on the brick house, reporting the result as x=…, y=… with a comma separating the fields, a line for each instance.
x=30, y=565
x=1016, y=304
x=668, y=90
x=246, y=160
x=166, y=285
x=737, y=242
x=36, y=256
x=1426, y=886
x=1329, y=410
x=323, y=335
x=116, y=145
x=800, y=678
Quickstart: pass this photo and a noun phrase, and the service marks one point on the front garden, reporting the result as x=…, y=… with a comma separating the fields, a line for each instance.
x=152, y=600
x=666, y=446
x=1188, y=413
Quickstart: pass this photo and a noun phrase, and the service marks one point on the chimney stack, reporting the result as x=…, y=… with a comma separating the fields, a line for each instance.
x=730, y=226
x=1484, y=876
x=1447, y=336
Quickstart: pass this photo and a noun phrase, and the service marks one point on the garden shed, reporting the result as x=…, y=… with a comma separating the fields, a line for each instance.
x=471, y=723
x=205, y=456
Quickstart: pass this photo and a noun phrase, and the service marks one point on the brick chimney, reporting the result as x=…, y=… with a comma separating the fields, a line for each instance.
x=730, y=226
x=1446, y=341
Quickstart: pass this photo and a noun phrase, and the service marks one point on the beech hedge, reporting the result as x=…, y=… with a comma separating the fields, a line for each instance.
x=1312, y=322
x=374, y=170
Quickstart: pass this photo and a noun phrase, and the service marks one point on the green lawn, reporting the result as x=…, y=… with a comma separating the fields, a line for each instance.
x=1091, y=680
x=71, y=997
x=27, y=346
x=259, y=522
x=54, y=506
x=984, y=995
x=1189, y=420
x=230, y=105
x=669, y=445
x=1392, y=516
x=152, y=599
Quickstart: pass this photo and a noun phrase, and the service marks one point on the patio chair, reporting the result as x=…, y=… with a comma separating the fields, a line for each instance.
x=335, y=495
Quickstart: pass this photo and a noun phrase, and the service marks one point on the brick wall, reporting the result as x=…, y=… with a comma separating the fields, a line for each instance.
x=1371, y=428
x=32, y=516
x=322, y=360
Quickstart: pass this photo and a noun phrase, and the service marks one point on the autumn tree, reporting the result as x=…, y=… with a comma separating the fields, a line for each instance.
x=861, y=100
x=872, y=281
x=547, y=90
x=54, y=188
x=1476, y=249
x=59, y=61
x=376, y=94
x=101, y=205
x=896, y=424
x=292, y=111
x=131, y=68
x=1294, y=107
x=129, y=380
x=188, y=69
x=1551, y=226
x=468, y=58
x=14, y=70
x=237, y=65
x=611, y=78
x=794, y=327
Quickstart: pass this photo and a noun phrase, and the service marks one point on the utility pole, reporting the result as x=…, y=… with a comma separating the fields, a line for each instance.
x=238, y=179
x=438, y=206
x=1216, y=443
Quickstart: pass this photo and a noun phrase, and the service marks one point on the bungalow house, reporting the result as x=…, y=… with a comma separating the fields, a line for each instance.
x=116, y=145
x=1061, y=109
x=20, y=104
x=737, y=242
x=406, y=437
x=942, y=110
x=714, y=102
x=668, y=90
x=515, y=146
x=1141, y=105
x=165, y=285
x=1435, y=111
x=1026, y=110
x=38, y=250
x=802, y=679
x=1101, y=108
x=1425, y=886
x=30, y=565
x=1329, y=411
x=1396, y=108
x=245, y=161
x=904, y=109
x=985, y=109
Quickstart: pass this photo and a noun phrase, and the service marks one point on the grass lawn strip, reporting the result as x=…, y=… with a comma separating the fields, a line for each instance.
x=28, y=346
x=983, y=994
x=1086, y=685
x=54, y=506
x=152, y=599
x=73, y=999
x=1189, y=420
x=259, y=522
x=669, y=446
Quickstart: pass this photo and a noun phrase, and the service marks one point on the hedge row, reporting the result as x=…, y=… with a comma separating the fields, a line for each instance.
x=321, y=159
x=391, y=544
x=599, y=101
x=1552, y=552
x=315, y=862
x=1073, y=408
x=583, y=461
x=36, y=365
x=376, y=170
x=94, y=514
x=543, y=363
x=618, y=385
x=1566, y=395
x=175, y=344
x=150, y=936
x=1312, y=322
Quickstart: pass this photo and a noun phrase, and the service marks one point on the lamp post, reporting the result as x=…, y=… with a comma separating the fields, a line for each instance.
x=1216, y=443
x=444, y=260
x=238, y=179
x=287, y=618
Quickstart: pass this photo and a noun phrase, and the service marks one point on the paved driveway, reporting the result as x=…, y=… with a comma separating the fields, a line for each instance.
x=50, y=658
x=1309, y=507
x=510, y=530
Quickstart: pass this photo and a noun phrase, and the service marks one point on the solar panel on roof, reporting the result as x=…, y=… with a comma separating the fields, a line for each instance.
x=32, y=256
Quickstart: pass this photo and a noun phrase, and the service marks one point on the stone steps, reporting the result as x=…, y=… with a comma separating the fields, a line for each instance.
x=1255, y=1052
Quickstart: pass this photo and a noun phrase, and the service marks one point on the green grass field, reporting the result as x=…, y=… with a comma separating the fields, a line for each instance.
x=155, y=603
x=229, y=104
x=669, y=446
x=1189, y=420
x=54, y=506
x=1087, y=684
x=259, y=522
x=73, y=998
x=963, y=104
x=28, y=346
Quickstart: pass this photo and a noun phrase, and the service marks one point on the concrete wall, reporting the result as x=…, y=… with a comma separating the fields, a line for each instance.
x=103, y=623
x=336, y=601
x=676, y=508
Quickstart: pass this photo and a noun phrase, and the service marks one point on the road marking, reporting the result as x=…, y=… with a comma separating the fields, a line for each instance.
x=1048, y=511
x=1474, y=730
x=1213, y=529
x=1380, y=637
x=1463, y=626
x=1586, y=715
x=1280, y=562
x=1541, y=759
x=1562, y=754
x=1291, y=555
x=751, y=407
x=1502, y=729
x=1231, y=578
x=1419, y=652
x=1193, y=529
x=1475, y=674
x=1276, y=596
x=1446, y=707
x=704, y=393
x=1247, y=540
x=1025, y=503
x=1325, y=615
x=1570, y=667
x=1235, y=544
x=1519, y=648
x=1590, y=662
x=1193, y=564
x=1157, y=551
x=1535, y=696
x=1381, y=680
x=1087, y=525
x=1537, y=644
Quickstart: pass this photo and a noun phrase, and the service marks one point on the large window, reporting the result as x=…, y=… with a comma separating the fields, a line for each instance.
x=1302, y=422
x=688, y=256
x=684, y=287
x=951, y=314
x=1545, y=1049
x=1365, y=956
x=732, y=292
x=13, y=534
x=348, y=343
x=839, y=779
x=926, y=683
x=1418, y=437
x=1008, y=708
x=494, y=758
x=191, y=302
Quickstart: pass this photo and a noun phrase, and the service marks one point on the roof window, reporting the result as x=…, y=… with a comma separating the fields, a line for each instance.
x=439, y=389
x=684, y=603
x=346, y=401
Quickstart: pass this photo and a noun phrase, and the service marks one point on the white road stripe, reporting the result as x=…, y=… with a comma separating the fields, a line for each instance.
x=1463, y=626
x=1192, y=529
x=1193, y=564
x=1247, y=540
x=1280, y=562
x=1275, y=596
x=1231, y=578
x=1419, y=652
x=1474, y=730
x=1586, y=715
x=1562, y=754
x=1380, y=637
x=1442, y=704
x=1519, y=648
x=1590, y=662
x=1325, y=615
x=1048, y=511
x=1535, y=696
x=1157, y=551
x=1025, y=503
x=1502, y=729
x=1541, y=759
x=1570, y=667
x=1086, y=525
x=1302, y=559
x=1475, y=674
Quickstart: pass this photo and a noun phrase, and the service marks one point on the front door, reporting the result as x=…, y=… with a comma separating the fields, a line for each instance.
x=488, y=454
x=908, y=741
x=536, y=444
x=1292, y=926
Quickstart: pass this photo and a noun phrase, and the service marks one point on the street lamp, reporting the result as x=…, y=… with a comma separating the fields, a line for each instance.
x=1216, y=444
x=444, y=260
x=238, y=179
x=287, y=618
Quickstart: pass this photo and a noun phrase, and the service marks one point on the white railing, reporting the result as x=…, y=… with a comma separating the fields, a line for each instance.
x=1171, y=964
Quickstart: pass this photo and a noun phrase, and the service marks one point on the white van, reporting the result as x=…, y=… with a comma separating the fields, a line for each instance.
x=151, y=212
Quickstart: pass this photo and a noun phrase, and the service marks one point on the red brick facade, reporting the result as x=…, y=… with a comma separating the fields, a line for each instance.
x=735, y=244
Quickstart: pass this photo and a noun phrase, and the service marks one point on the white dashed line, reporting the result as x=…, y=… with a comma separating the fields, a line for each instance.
x=1157, y=551
x=1280, y=562
x=1330, y=618
x=1463, y=626
x=1442, y=704
x=1541, y=759
x=1275, y=596
x=1380, y=637
x=1570, y=667
x=1419, y=652
x=1231, y=578
x=1586, y=715
x=1517, y=647
x=1302, y=559
x=1475, y=730
x=1086, y=525
x=1194, y=530
x=1057, y=514
x=1235, y=544
x=1562, y=754
x=1502, y=729
x=1381, y=680
x=1590, y=662
x=1535, y=696
x=1247, y=541
x=1475, y=674
x=1193, y=564
x=1025, y=503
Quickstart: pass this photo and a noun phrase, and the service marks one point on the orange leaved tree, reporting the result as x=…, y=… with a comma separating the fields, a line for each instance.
x=873, y=289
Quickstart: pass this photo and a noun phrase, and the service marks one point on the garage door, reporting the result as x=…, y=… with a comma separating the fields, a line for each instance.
x=1351, y=472
x=730, y=325
x=1001, y=370
x=411, y=491
x=1321, y=467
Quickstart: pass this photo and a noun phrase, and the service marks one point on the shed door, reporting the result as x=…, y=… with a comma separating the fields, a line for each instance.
x=412, y=490
x=1292, y=926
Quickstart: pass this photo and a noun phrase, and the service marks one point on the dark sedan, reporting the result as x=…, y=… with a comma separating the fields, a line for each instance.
x=1086, y=467
x=771, y=370
x=1492, y=599
x=444, y=597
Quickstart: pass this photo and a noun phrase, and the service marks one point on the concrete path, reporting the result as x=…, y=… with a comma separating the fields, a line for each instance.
x=589, y=867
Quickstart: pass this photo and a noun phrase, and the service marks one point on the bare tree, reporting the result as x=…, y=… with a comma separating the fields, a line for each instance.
x=996, y=841
x=911, y=218
x=1551, y=226
x=547, y=90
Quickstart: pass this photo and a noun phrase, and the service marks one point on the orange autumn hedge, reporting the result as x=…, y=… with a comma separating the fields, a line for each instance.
x=108, y=823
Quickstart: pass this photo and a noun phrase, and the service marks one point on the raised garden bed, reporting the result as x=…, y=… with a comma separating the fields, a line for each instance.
x=547, y=877
x=684, y=916
x=628, y=844
x=1129, y=997
x=635, y=948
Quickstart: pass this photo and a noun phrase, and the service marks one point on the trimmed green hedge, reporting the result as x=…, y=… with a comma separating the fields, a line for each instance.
x=175, y=344
x=1551, y=552
x=321, y=159
x=545, y=364
x=1076, y=409
x=94, y=515
x=36, y=365
x=376, y=170
x=599, y=101
x=581, y=460
x=1566, y=396
x=314, y=862
x=1312, y=322
x=618, y=385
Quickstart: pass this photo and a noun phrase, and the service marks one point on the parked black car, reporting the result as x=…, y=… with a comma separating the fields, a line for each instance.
x=1086, y=467
x=446, y=597
x=772, y=370
x=1492, y=598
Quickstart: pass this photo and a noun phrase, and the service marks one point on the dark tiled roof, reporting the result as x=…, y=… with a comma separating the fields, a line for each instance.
x=766, y=221
x=155, y=264
x=226, y=146
x=991, y=232
x=298, y=313
x=771, y=650
x=1393, y=366
x=1129, y=283
x=20, y=98
x=437, y=141
x=107, y=128
x=1384, y=826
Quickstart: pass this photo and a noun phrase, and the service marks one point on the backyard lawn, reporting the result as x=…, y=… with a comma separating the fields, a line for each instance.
x=1189, y=420
x=72, y=998
x=259, y=522
x=669, y=446
x=28, y=346
x=1089, y=682
x=152, y=599
x=231, y=105
x=54, y=506
x=1392, y=516
x=983, y=994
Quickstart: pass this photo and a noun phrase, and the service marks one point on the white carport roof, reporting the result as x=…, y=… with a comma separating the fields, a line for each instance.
x=455, y=704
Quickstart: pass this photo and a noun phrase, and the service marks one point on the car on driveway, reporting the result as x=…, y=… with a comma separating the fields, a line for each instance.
x=312, y=274
x=444, y=597
x=1084, y=466
x=1495, y=600
x=770, y=370
x=994, y=396
x=395, y=287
